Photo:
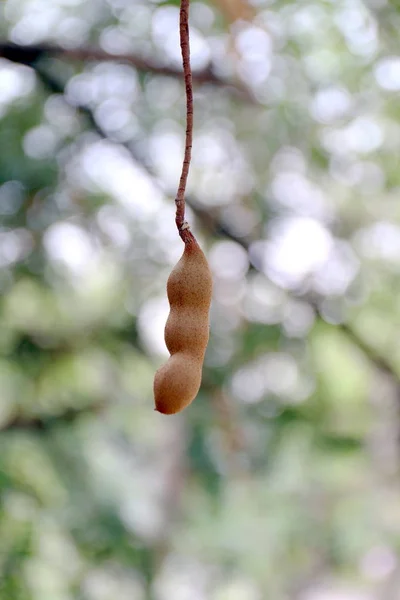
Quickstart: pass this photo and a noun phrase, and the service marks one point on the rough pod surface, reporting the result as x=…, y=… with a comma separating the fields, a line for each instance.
x=189, y=290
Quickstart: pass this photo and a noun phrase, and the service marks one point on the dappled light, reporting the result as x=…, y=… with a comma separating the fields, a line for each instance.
x=281, y=480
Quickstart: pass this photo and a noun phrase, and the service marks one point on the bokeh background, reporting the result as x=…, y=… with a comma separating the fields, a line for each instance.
x=282, y=480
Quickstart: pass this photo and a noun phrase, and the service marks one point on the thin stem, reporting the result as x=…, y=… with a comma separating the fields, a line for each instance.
x=187, y=71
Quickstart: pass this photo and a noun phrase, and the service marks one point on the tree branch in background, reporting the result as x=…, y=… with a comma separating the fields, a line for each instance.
x=379, y=361
x=44, y=423
x=218, y=227
x=229, y=423
x=30, y=55
x=175, y=483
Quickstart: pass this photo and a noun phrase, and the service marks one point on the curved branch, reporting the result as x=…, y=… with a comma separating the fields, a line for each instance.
x=45, y=423
x=29, y=55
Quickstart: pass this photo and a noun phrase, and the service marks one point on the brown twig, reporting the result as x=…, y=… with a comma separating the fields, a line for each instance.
x=182, y=226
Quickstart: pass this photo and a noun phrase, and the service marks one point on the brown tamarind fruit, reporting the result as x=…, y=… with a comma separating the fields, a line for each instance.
x=189, y=290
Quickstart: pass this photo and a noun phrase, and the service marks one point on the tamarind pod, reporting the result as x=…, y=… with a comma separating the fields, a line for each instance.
x=190, y=281
x=189, y=290
x=177, y=383
x=182, y=328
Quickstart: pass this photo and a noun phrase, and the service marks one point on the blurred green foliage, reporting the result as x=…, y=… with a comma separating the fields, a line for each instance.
x=281, y=481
